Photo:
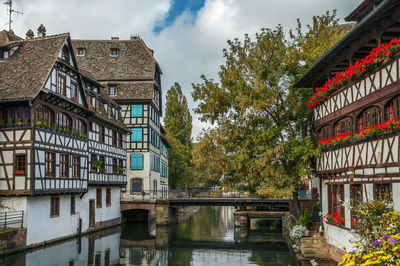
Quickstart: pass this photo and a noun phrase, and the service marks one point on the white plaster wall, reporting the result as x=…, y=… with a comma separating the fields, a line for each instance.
x=396, y=196
x=104, y=213
x=144, y=174
x=339, y=237
x=324, y=198
x=41, y=227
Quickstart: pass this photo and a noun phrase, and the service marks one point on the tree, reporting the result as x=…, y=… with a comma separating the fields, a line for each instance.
x=178, y=127
x=261, y=123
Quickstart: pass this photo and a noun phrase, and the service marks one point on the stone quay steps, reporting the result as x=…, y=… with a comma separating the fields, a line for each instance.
x=314, y=247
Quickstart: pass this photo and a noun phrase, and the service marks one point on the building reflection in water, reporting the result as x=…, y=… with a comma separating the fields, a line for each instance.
x=207, y=237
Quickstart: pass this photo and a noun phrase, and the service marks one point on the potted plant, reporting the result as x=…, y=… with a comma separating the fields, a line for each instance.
x=74, y=98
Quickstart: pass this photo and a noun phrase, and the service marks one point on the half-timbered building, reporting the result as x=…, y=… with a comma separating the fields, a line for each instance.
x=132, y=78
x=46, y=139
x=365, y=166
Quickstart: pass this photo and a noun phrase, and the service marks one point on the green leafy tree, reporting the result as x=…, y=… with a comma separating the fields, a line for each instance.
x=262, y=126
x=178, y=127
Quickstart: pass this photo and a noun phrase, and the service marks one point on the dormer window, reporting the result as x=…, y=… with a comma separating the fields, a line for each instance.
x=81, y=51
x=96, y=89
x=4, y=54
x=114, y=51
x=111, y=90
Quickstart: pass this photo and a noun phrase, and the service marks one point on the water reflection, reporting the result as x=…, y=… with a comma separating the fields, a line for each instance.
x=207, y=237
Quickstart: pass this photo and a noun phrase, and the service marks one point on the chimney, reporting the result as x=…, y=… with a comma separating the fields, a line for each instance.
x=41, y=31
x=135, y=37
x=29, y=34
x=115, y=38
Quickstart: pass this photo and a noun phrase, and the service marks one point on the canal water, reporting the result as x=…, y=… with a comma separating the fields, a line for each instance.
x=206, y=237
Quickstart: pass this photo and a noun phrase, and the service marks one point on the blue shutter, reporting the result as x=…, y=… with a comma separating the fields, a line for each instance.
x=136, y=134
x=151, y=161
x=136, y=161
x=136, y=110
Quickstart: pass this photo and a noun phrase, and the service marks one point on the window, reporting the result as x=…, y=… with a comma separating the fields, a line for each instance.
x=370, y=117
x=137, y=110
x=15, y=115
x=136, y=134
x=136, y=161
x=383, y=191
x=93, y=159
x=63, y=165
x=65, y=54
x=103, y=165
x=114, y=51
x=61, y=88
x=99, y=198
x=44, y=114
x=157, y=162
x=114, y=138
x=324, y=133
x=119, y=139
x=63, y=120
x=90, y=102
x=74, y=92
x=54, y=206
x=115, y=165
x=108, y=197
x=111, y=90
x=4, y=54
x=97, y=105
x=335, y=199
x=343, y=125
x=81, y=51
x=136, y=185
x=80, y=126
x=20, y=164
x=76, y=167
x=392, y=109
x=72, y=205
x=50, y=167
x=101, y=135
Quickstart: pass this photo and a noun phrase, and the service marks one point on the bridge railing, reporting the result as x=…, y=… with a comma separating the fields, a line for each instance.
x=144, y=195
x=206, y=193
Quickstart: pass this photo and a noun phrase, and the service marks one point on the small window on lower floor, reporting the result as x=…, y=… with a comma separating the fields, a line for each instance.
x=72, y=205
x=99, y=198
x=54, y=206
x=136, y=185
x=108, y=197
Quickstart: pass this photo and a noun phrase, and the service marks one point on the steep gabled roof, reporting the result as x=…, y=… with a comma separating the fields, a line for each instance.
x=136, y=90
x=8, y=36
x=25, y=72
x=133, y=62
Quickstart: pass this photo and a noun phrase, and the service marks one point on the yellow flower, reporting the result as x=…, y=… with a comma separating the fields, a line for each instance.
x=343, y=247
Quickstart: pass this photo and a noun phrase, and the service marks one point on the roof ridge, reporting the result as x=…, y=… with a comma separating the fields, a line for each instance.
x=49, y=37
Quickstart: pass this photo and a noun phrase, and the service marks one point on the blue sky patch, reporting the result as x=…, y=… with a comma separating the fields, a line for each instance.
x=177, y=8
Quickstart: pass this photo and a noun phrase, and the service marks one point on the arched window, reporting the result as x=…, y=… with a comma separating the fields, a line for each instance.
x=392, y=109
x=43, y=113
x=324, y=133
x=63, y=120
x=79, y=126
x=343, y=125
x=370, y=117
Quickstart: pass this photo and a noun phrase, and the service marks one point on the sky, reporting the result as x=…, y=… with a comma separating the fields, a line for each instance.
x=187, y=36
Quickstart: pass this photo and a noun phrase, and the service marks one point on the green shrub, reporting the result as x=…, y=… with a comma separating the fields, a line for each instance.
x=305, y=218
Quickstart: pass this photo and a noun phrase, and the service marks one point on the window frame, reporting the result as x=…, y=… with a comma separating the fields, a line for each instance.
x=108, y=197
x=61, y=84
x=64, y=165
x=135, y=110
x=73, y=205
x=76, y=166
x=54, y=209
x=20, y=158
x=132, y=191
x=99, y=197
x=114, y=51
x=138, y=156
x=134, y=134
x=113, y=89
x=50, y=164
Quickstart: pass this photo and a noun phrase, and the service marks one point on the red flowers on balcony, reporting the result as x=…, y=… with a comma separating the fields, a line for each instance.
x=366, y=132
x=377, y=56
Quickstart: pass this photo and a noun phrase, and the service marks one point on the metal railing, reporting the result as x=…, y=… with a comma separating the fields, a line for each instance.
x=11, y=220
x=144, y=195
x=207, y=193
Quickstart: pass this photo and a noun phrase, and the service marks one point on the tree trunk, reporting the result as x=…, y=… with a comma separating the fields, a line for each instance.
x=296, y=204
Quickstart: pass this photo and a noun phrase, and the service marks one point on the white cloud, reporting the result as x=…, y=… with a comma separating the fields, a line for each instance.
x=190, y=46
